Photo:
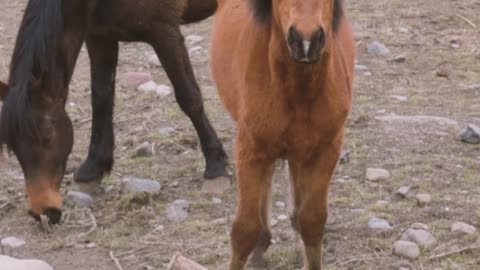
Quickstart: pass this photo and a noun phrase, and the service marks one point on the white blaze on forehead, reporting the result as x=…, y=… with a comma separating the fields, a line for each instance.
x=306, y=46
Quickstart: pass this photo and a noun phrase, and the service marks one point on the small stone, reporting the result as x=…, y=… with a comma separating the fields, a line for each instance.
x=423, y=238
x=403, y=191
x=423, y=199
x=134, y=79
x=166, y=130
x=12, y=242
x=160, y=228
x=399, y=98
x=470, y=134
x=280, y=204
x=378, y=49
x=137, y=185
x=195, y=50
x=163, y=90
x=193, y=38
x=376, y=174
x=149, y=86
x=273, y=222
x=344, y=156
x=154, y=61
x=174, y=184
x=367, y=74
x=78, y=199
x=10, y=263
x=406, y=249
x=443, y=73
x=143, y=150
x=176, y=214
x=109, y=189
x=91, y=245
x=403, y=30
x=379, y=224
x=219, y=222
x=216, y=200
x=359, y=68
x=474, y=87
x=401, y=58
x=455, y=46
x=282, y=217
x=461, y=227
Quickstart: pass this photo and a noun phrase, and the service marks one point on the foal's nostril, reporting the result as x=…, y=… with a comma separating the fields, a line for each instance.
x=53, y=214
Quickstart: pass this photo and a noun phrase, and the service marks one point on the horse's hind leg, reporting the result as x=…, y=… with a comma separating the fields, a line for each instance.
x=169, y=45
x=198, y=10
x=103, y=58
x=311, y=182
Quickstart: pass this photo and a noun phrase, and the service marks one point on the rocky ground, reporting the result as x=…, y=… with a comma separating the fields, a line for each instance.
x=405, y=195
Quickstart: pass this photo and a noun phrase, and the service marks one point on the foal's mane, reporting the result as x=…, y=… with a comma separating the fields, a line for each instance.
x=34, y=58
x=262, y=11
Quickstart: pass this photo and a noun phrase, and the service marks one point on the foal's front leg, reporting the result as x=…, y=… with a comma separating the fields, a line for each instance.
x=250, y=230
x=103, y=57
x=168, y=43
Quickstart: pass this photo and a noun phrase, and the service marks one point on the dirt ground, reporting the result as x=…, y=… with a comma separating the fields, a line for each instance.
x=424, y=154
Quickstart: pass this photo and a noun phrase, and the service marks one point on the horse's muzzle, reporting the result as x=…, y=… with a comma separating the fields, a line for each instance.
x=303, y=50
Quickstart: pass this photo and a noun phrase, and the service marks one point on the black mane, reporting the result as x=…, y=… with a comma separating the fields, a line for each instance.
x=34, y=58
x=262, y=11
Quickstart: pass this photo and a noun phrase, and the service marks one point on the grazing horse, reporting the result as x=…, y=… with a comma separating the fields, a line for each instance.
x=284, y=71
x=34, y=123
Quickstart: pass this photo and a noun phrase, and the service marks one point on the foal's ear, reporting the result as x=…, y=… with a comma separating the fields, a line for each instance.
x=3, y=90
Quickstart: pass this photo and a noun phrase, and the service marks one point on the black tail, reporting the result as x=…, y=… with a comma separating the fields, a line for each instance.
x=34, y=58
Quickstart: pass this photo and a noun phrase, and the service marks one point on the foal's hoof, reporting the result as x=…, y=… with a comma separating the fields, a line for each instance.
x=216, y=186
x=90, y=188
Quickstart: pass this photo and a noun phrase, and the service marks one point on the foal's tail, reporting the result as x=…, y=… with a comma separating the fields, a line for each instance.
x=34, y=59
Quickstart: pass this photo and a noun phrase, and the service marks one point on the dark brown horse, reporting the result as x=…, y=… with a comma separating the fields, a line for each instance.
x=34, y=123
x=284, y=71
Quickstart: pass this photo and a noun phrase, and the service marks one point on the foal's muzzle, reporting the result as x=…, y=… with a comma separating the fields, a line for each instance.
x=304, y=50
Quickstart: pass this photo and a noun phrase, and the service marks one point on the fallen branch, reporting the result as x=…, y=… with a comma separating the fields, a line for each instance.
x=466, y=20
x=115, y=260
x=179, y=262
x=458, y=251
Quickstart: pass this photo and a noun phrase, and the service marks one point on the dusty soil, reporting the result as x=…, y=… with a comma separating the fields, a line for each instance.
x=427, y=155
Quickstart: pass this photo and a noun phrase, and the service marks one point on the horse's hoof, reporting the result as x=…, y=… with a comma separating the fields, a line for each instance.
x=90, y=188
x=216, y=186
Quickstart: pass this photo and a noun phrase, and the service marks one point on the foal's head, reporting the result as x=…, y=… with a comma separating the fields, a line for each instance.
x=307, y=25
x=40, y=134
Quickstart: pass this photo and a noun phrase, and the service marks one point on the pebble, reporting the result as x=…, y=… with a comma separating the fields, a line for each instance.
x=145, y=149
x=216, y=200
x=193, y=38
x=10, y=263
x=12, y=242
x=423, y=238
x=406, y=249
x=280, y=204
x=166, y=130
x=176, y=212
x=443, y=73
x=470, y=134
x=195, y=50
x=345, y=156
x=423, y=199
x=403, y=191
x=461, y=227
x=160, y=89
x=359, y=68
x=378, y=49
x=377, y=174
x=401, y=58
x=160, y=228
x=282, y=217
x=399, y=98
x=136, y=185
x=379, y=224
x=78, y=199
x=134, y=79
x=474, y=87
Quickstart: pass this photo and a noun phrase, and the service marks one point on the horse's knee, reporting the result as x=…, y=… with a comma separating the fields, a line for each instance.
x=198, y=10
x=311, y=224
x=245, y=235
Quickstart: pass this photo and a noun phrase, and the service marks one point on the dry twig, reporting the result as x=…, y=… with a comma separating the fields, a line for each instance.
x=94, y=226
x=466, y=20
x=458, y=251
x=115, y=260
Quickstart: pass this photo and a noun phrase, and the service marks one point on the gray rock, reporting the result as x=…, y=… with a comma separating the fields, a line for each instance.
x=475, y=87
x=193, y=38
x=166, y=130
x=377, y=174
x=160, y=89
x=378, y=49
x=282, y=217
x=12, y=242
x=177, y=211
x=143, y=150
x=78, y=199
x=134, y=79
x=379, y=224
x=149, y=86
x=401, y=58
x=406, y=249
x=280, y=204
x=464, y=228
x=10, y=263
x=359, y=68
x=403, y=191
x=136, y=185
x=423, y=238
x=470, y=134
x=423, y=199
x=216, y=200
